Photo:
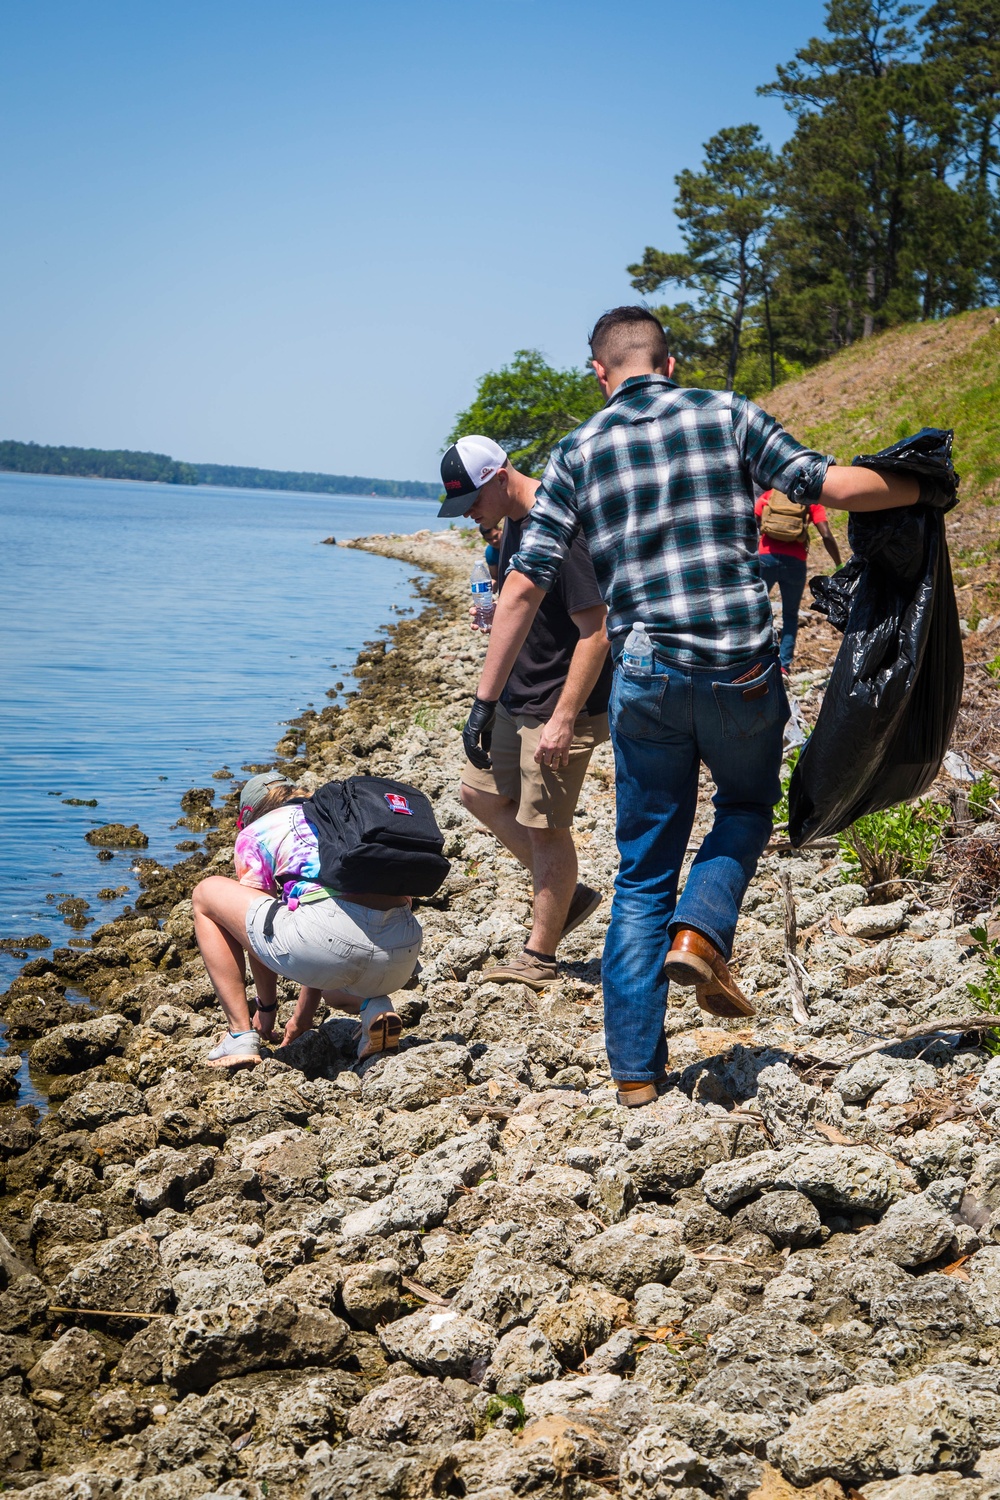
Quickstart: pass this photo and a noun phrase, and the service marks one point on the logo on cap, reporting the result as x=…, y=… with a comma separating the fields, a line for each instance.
x=485, y=473
x=398, y=804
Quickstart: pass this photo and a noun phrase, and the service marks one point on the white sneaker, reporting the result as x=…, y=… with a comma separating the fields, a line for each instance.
x=233, y=1050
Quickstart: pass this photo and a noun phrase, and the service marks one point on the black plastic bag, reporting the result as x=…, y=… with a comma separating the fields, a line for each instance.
x=894, y=693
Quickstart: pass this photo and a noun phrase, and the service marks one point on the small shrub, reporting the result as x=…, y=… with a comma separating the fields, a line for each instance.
x=988, y=994
x=781, y=807
x=506, y=1409
x=883, y=848
x=993, y=667
x=981, y=793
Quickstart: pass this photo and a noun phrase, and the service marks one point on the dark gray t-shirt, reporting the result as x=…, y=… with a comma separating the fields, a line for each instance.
x=539, y=673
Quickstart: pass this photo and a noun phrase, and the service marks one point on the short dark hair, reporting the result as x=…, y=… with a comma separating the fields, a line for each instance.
x=623, y=333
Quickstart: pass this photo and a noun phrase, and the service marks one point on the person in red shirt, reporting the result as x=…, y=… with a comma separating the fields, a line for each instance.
x=784, y=563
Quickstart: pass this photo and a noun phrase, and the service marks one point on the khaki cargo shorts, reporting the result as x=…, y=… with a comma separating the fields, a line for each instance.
x=545, y=798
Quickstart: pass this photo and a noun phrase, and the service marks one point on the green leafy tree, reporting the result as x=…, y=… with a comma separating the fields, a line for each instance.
x=724, y=212
x=527, y=406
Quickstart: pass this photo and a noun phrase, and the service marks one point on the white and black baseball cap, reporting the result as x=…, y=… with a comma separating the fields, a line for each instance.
x=466, y=467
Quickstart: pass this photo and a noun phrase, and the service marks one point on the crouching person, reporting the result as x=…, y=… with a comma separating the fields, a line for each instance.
x=352, y=948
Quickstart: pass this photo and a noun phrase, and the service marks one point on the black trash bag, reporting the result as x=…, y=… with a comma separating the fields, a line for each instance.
x=894, y=693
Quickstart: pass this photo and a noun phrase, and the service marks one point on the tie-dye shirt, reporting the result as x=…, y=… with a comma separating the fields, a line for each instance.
x=278, y=854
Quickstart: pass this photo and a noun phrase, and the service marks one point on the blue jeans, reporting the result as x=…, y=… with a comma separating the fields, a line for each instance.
x=789, y=573
x=663, y=724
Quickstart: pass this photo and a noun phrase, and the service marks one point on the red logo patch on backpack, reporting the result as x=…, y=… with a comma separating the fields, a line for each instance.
x=398, y=804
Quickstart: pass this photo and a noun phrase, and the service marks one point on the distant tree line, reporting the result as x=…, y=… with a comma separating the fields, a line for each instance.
x=100, y=463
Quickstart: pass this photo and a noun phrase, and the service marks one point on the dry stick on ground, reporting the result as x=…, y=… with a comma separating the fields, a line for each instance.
x=796, y=970
x=929, y=1028
x=104, y=1312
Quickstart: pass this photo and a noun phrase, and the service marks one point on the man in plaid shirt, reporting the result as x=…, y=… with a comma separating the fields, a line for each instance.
x=661, y=482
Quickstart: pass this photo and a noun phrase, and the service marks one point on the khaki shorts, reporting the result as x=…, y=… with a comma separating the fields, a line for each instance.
x=336, y=945
x=545, y=798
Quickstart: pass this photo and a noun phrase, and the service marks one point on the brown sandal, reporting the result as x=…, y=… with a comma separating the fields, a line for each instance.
x=383, y=1035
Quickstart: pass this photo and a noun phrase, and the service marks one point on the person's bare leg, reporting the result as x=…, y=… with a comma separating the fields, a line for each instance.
x=266, y=985
x=220, y=906
x=499, y=815
x=554, y=872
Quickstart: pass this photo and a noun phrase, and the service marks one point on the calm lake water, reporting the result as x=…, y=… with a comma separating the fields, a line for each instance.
x=150, y=636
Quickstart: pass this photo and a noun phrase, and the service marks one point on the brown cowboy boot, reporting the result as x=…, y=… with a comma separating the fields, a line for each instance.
x=694, y=960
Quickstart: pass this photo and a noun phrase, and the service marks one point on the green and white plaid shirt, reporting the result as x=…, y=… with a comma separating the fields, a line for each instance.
x=662, y=484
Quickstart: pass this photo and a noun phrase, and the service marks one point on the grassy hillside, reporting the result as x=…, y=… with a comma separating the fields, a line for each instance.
x=944, y=374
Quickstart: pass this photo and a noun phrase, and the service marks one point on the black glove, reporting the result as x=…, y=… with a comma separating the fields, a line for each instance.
x=478, y=732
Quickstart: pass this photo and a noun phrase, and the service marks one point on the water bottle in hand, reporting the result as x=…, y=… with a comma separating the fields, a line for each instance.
x=483, y=603
x=638, y=655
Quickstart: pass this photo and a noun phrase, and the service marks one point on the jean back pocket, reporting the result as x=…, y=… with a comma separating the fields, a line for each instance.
x=752, y=705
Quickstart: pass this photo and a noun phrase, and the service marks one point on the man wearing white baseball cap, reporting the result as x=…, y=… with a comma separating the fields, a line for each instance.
x=552, y=713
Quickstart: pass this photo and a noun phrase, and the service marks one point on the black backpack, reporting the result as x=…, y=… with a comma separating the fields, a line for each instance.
x=377, y=835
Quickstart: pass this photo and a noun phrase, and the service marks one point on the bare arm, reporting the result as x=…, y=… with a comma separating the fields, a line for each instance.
x=857, y=488
x=829, y=541
x=517, y=607
x=586, y=663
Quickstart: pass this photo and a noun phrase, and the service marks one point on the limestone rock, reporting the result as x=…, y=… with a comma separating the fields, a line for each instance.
x=100, y=1104
x=209, y=1345
x=410, y=1410
x=786, y=1217
x=878, y=1432
x=371, y=1294
x=19, y=1445
x=523, y=1357
x=79, y=1044
x=852, y=1177
x=503, y=1291
x=875, y=921
x=656, y=1465
x=124, y=1273
x=641, y=1249
x=418, y=1077
x=75, y=1362
x=440, y=1343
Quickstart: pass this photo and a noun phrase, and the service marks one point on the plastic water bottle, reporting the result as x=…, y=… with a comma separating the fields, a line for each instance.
x=638, y=650
x=483, y=603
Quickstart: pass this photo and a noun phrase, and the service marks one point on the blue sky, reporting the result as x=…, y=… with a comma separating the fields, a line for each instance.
x=292, y=235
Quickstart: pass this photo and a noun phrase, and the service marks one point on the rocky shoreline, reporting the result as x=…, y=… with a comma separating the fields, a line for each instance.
x=470, y=1272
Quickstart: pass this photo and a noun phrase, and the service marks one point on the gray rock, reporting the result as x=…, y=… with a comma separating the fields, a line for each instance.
x=19, y=1445
x=523, y=1357
x=641, y=1249
x=877, y=1432
x=677, y=1157
x=854, y=1177
x=371, y=1294
x=504, y=1292
x=787, y=1218
x=356, y=1472
x=205, y=1346
x=418, y=1077
x=986, y=1094
x=928, y=1304
x=769, y=1363
x=983, y=1271
x=410, y=1410
x=792, y=1109
x=440, y=1343
x=162, y=1179
x=116, y=1412
x=875, y=921
x=946, y=1151
x=124, y=1273
x=911, y=1234
x=100, y=1104
x=659, y=1306
x=655, y=1466
x=79, y=1044
x=586, y=1319
x=75, y=1362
